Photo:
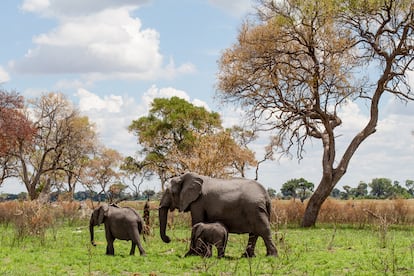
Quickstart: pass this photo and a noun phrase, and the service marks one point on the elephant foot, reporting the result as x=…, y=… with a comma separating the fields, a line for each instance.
x=190, y=253
x=272, y=253
x=248, y=255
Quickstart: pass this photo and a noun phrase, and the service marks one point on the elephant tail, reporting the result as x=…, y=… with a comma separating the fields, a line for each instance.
x=140, y=230
x=268, y=208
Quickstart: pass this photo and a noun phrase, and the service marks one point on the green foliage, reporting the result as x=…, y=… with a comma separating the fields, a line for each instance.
x=171, y=125
x=295, y=188
x=171, y=122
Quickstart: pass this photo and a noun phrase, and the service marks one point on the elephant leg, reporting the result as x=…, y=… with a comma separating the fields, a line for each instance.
x=220, y=250
x=141, y=249
x=136, y=242
x=132, y=251
x=110, y=241
x=250, y=246
x=192, y=250
x=110, y=247
x=209, y=251
x=270, y=246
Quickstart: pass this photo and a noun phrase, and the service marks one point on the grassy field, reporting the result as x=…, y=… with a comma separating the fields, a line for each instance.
x=329, y=250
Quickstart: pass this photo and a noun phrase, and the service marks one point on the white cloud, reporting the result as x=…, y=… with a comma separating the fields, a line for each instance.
x=35, y=5
x=4, y=76
x=103, y=42
x=89, y=101
x=59, y=8
x=168, y=92
x=234, y=7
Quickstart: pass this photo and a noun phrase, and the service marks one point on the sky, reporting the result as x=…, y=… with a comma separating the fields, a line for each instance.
x=113, y=57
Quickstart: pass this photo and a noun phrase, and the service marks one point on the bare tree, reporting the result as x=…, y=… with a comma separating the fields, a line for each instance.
x=58, y=135
x=301, y=61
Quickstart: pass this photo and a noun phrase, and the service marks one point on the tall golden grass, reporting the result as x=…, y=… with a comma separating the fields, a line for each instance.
x=34, y=218
x=354, y=212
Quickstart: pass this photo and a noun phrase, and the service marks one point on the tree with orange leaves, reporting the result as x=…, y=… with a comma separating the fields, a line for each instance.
x=15, y=129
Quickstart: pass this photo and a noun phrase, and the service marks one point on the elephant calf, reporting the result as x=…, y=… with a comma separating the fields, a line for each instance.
x=120, y=223
x=204, y=236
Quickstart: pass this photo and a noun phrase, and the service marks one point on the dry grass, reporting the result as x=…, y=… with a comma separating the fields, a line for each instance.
x=34, y=218
x=354, y=212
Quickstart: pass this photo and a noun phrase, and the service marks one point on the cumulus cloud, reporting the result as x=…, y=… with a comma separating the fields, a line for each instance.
x=63, y=8
x=97, y=39
x=112, y=114
x=234, y=7
x=168, y=92
x=90, y=101
x=4, y=76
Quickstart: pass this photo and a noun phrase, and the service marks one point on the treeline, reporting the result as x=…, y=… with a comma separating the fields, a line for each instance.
x=87, y=195
x=378, y=188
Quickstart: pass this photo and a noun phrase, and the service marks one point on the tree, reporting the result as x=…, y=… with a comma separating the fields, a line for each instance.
x=216, y=155
x=171, y=125
x=81, y=143
x=297, y=188
x=177, y=136
x=295, y=67
x=271, y=192
x=361, y=190
x=410, y=186
x=381, y=188
x=15, y=128
x=336, y=193
x=41, y=162
x=134, y=170
x=399, y=191
x=116, y=192
x=102, y=171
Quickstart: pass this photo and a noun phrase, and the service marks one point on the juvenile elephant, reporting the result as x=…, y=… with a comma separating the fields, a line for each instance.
x=204, y=236
x=241, y=205
x=120, y=223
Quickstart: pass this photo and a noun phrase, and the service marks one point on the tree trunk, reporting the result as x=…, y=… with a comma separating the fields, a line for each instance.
x=315, y=202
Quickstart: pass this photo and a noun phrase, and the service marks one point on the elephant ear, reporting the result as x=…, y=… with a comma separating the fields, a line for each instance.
x=103, y=211
x=190, y=191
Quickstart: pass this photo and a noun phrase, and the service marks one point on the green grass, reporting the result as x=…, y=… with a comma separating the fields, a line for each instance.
x=319, y=251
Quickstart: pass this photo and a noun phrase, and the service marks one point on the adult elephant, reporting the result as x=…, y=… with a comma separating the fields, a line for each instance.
x=241, y=205
x=120, y=223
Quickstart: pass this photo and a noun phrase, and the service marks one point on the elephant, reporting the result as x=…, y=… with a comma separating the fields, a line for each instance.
x=204, y=236
x=122, y=223
x=241, y=205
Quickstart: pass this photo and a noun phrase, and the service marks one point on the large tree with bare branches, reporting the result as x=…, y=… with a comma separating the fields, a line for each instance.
x=295, y=66
x=62, y=141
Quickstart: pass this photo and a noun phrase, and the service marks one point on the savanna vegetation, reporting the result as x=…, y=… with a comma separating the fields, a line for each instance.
x=292, y=69
x=297, y=63
x=360, y=237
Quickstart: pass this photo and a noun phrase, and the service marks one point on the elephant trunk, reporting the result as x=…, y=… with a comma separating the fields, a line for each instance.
x=162, y=216
x=92, y=234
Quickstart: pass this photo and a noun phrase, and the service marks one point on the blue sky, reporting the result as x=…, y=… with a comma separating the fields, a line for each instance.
x=112, y=57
